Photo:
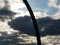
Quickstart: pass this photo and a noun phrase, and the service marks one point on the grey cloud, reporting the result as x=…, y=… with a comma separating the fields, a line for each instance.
x=24, y=24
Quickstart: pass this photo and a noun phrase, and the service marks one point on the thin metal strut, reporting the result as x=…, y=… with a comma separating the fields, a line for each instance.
x=34, y=22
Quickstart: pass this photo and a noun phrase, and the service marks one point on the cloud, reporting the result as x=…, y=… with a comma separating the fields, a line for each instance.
x=5, y=28
x=40, y=15
x=2, y=4
x=53, y=3
x=9, y=8
x=16, y=5
x=56, y=16
x=46, y=25
x=36, y=14
x=20, y=14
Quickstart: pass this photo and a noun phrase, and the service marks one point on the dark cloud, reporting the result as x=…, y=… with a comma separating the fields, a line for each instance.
x=24, y=24
x=51, y=26
x=5, y=12
x=9, y=40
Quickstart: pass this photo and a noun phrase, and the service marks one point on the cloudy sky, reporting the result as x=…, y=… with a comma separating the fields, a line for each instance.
x=39, y=7
x=49, y=7
x=43, y=7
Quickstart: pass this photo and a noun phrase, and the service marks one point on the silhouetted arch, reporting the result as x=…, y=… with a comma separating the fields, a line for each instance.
x=34, y=22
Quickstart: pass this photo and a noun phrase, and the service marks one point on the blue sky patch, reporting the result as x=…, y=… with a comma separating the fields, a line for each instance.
x=58, y=2
x=42, y=6
x=52, y=10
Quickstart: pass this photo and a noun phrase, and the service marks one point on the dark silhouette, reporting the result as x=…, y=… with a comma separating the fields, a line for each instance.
x=52, y=27
x=34, y=22
x=24, y=24
x=10, y=40
x=6, y=12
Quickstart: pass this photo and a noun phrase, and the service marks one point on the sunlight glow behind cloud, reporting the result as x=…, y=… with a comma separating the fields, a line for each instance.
x=16, y=6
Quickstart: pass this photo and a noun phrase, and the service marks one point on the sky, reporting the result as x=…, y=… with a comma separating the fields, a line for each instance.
x=45, y=7
x=39, y=7
x=42, y=7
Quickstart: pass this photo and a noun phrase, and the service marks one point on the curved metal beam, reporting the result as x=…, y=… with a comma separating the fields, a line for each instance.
x=34, y=22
